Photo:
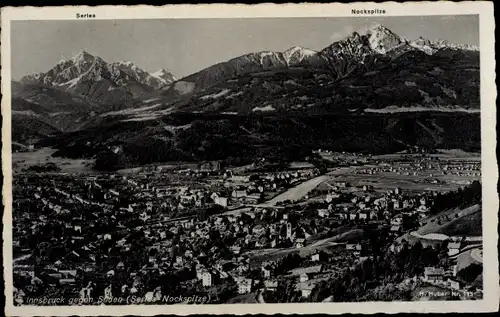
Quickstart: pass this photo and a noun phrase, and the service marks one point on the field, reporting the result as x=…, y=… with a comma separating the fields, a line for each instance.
x=449, y=221
x=296, y=192
x=408, y=178
x=468, y=258
x=22, y=160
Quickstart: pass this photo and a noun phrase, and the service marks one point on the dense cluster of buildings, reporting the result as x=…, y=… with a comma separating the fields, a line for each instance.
x=113, y=236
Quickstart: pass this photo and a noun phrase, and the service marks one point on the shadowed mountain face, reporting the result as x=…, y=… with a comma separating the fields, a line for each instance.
x=373, y=92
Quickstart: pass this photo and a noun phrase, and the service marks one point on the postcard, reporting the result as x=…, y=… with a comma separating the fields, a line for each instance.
x=235, y=159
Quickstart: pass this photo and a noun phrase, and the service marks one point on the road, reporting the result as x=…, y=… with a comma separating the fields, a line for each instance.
x=477, y=254
x=443, y=237
x=23, y=257
x=302, y=189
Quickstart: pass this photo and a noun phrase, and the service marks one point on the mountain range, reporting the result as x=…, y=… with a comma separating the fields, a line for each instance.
x=376, y=74
x=89, y=76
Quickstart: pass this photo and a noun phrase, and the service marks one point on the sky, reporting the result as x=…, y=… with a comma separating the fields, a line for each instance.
x=185, y=46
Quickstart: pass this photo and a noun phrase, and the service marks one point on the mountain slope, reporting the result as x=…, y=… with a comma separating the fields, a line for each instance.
x=243, y=139
x=413, y=80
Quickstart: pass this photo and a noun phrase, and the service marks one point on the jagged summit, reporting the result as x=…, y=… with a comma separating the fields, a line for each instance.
x=82, y=56
x=377, y=28
x=164, y=76
x=160, y=72
x=126, y=63
x=297, y=54
x=382, y=40
x=299, y=49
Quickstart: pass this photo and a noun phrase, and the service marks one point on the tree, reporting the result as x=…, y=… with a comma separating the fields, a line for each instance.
x=410, y=222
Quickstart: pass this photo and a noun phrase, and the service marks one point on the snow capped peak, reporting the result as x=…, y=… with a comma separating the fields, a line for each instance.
x=82, y=56
x=160, y=72
x=297, y=54
x=299, y=50
x=164, y=76
x=378, y=28
x=430, y=47
x=126, y=63
x=265, y=53
x=382, y=40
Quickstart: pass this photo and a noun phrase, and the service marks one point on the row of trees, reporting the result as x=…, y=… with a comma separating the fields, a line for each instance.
x=462, y=197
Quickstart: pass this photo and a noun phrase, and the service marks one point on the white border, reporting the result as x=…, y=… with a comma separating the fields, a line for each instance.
x=489, y=167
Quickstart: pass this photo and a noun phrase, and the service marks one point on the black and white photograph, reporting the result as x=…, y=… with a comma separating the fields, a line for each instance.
x=254, y=160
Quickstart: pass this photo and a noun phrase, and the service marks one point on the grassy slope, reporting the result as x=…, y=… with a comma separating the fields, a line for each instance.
x=468, y=222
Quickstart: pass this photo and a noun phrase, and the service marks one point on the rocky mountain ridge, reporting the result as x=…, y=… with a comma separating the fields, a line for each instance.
x=93, y=78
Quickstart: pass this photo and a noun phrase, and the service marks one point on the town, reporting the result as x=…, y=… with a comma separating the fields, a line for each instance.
x=249, y=234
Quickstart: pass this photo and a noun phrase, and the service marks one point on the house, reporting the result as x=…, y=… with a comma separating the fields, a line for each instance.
x=341, y=215
x=316, y=256
x=354, y=248
x=258, y=230
x=242, y=268
x=253, y=199
x=304, y=277
x=394, y=205
x=454, y=269
x=179, y=260
x=300, y=243
x=340, y=184
x=305, y=289
x=236, y=249
x=239, y=193
x=363, y=215
x=367, y=187
x=207, y=278
x=271, y=285
x=267, y=271
x=422, y=201
x=323, y=213
x=64, y=281
x=244, y=285
x=395, y=229
x=433, y=274
x=454, y=284
x=288, y=230
x=453, y=248
x=221, y=201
